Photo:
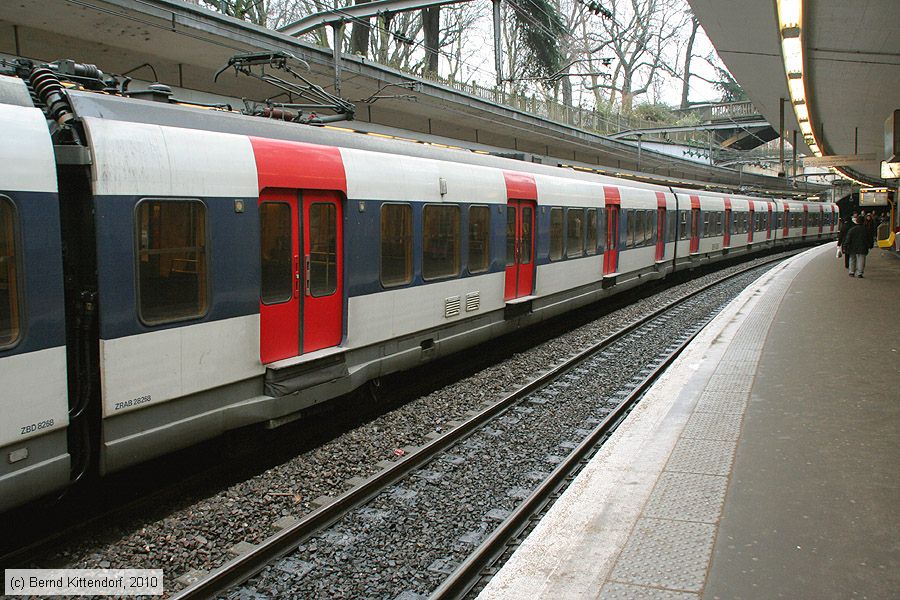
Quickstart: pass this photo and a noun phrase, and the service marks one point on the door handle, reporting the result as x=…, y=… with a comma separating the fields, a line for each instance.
x=306, y=271
x=296, y=276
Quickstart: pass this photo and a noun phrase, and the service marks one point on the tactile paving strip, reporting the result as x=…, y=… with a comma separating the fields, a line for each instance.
x=621, y=591
x=732, y=402
x=709, y=457
x=687, y=497
x=671, y=546
x=713, y=426
x=667, y=554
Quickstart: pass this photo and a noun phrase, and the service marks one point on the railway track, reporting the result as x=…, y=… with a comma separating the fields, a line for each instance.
x=377, y=540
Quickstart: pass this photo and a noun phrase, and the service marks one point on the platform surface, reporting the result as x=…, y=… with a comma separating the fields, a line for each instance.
x=764, y=464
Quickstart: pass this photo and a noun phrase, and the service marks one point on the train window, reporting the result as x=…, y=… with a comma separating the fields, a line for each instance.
x=683, y=225
x=396, y=244
x=479, y=238
x=9, y=280
x=527, y=243
x=556, y=233
x=574, y=232
x=629, y=228
x=590, y=241
x=707, y=230
x=322, y=265
x=440, y=241
x=510, y=235
x=649, y=226
x=172, y=277
x=277, y=275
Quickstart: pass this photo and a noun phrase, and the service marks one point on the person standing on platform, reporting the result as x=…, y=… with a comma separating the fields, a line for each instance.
x=843, y=226
x=856, y=247
x=871, y=228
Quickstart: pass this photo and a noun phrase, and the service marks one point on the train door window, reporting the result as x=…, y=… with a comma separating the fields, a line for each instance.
x=527, y=243
x=510, y=235
x=671, y=225
x=683, y=225
x=556, y=233
x=277, y=275
x=440, y=241
x=574, y=232
x=590, y=240
x=707, y=230
x=649, y=226
x=321, y=271
x=479, y=239
x=396, y=244
x=172, y=277
x=9, y=288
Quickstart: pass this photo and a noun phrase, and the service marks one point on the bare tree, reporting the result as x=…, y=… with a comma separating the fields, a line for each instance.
x=253, y=11
x=359, y=38
x=638, y=37
x=688, y=56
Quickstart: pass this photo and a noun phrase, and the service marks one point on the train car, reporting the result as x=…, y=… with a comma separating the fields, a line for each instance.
x=761, y=233
x=223, y=270
x=793, y=223
x=33, y=378
x=702, y=228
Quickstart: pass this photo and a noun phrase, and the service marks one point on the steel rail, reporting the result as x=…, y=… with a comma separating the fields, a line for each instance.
x=243, y=567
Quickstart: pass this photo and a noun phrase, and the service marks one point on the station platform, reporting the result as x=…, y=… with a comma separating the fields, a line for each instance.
x=764, y=463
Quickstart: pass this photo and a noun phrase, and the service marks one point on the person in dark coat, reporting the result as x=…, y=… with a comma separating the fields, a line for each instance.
x=870, y=229
x=856, y=246
x=843, y=226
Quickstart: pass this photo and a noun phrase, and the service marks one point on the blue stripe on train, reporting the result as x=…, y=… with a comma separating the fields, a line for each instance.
x=362, y=235
x=232, y=259
x=40, y=272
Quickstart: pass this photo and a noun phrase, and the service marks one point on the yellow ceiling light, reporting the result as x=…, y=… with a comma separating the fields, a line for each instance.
x=789, y=14
x=793, y=56
x=797, y=90
x=790, y=26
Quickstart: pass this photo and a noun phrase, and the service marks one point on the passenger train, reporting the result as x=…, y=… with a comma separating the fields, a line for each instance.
x=168, y=273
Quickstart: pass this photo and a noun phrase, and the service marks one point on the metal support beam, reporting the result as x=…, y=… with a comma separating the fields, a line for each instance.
x=358, y=11
x=338, y=31
x=781, y=102
x=498, y=53
x=794, y=154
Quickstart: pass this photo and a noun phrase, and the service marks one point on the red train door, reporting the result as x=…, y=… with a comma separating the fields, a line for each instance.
x=660, y=225
x=301, y=292
x=726, y=241
x=301, y=247
x=769, y=221
x=519, y=249
x=611, y=258
x=611, y=255
x=322, y=277
x=751, y=225
x=279, y=301
x=695, y=224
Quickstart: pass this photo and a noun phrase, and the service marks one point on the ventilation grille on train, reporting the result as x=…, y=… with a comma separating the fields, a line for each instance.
x=473, y=301
x=451, y=307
